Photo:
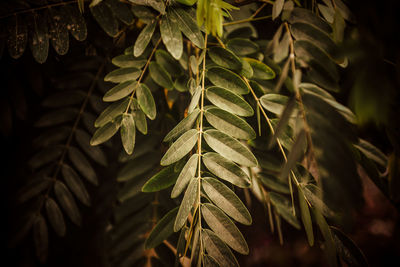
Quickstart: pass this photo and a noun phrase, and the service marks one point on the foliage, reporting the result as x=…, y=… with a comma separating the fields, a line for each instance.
x=206, y=112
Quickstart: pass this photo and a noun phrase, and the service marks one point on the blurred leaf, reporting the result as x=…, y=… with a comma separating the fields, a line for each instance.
x=284, y=209
x=75, y=22
x=39, y=40
x=168, y=63
x=82, y=165
x=306, y=16
x=17, y=37
x=75, y=184
x=55, y=216
x=67, y=202
x=58, y=31
x=277, y=8
x=104, y=16
x=41, y=238
x=260, y=70
x=306, y=217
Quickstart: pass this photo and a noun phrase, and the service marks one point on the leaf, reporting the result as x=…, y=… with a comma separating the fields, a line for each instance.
x=187, y=24
x=328, y=237
x=41, y=238
x=171, y=35
x=144, y=14
x=247, y=70
x=128, y=133
x=183, y=126
x=121, y=11
x=295, y=154
x=168, y=63
x=306, y=217
x=186, y=205
x=39, y=40
x=95, y=153
x=120, y=91
x=195, y=99
x=180, y=147
x=216, y=248
x=229, y=101
x=144, y=38
x=224, y=58
x=105, y=132
x=163, y=229
x=230, y=148
x=146, y=101
x=260, y=70
x=226, y=169
x=306, y=16
x=277, y=8
x=75, y=184
x=138, y=166
x=67, y=202
x=105, y=18
x=274, y=183
x=140, y=121
x=284, y=209
x=227, y=79
x=33, y=188
x=75, y=22
x=162, y=180
x=188, y=172
x=111, y=112
x=210, y=261
x=226, y=200
x=64, y=98
x=372, y=152
x=347, y=249
x=242, y=46
x=57, y=117
x=160, y=76
x=229, y=123
x=122, y=75
x=45, y=156
x=158, y=5
x=274, y=103
x=17, y=37
x=82, y=164
x=225, y=229
x=283, y=121
x=128, y=61
x=58, y=31
x=55, y=216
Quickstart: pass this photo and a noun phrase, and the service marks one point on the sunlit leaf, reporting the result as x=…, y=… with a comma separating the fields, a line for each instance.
x=186, y=204
x=144, y=38
x=188, y=172
x=229, y=101
x=227, y=79
x=218, y=249
x=128, y=133
x=181, y=147
x=171, y=35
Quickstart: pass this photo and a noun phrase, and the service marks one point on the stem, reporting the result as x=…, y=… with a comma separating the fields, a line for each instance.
x=246, y=20
x=142, y=74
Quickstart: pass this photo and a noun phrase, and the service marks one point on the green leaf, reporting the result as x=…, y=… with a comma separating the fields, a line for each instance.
x=146, y=101
x=104, y=16
x=260, y=70
x=230, y=148
x=58, y=116
x=187, y=2
x=277, y=8
x=96, y=153
x=17, y=36
x=306, y=217
x=41, y=238
x=128, y=61
x=111, y=112
x=229, y=101
x=226, y=199
x=171, y=35
x=216, y=248
x=210, y=261
x=224, y=58
x=138, y=166
x=295, y=154
x=188, y=172
x=186, y=205
x=274, y=103
x=104, y=133
x=226, y=169
x=39, y=40
x=75, y=184
x=82, y=164
x=306, y=16
x=182, y=126
x=274, y=183
x=158, y=5
x=247, y=70
x=225, y=229
x=284, y=209
x=121, y=11
x=229, y=123
x=58, y=31
x=163, y=229
x=330, y=247
x=55, y=216
x=180, y=147
x=227, y=79
x=75, y=22
x=160, y=76
x=195, y=99
x=120, y=91
x=187, y=24
x=128, y=133
x=162, y=180
x=139, y=117
x=33, y=188
x=242, y=46
x=45, y=156
x=168, y=63
x=67, y=202
x=144, y=38
x=122, y=75
x=372, y=152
